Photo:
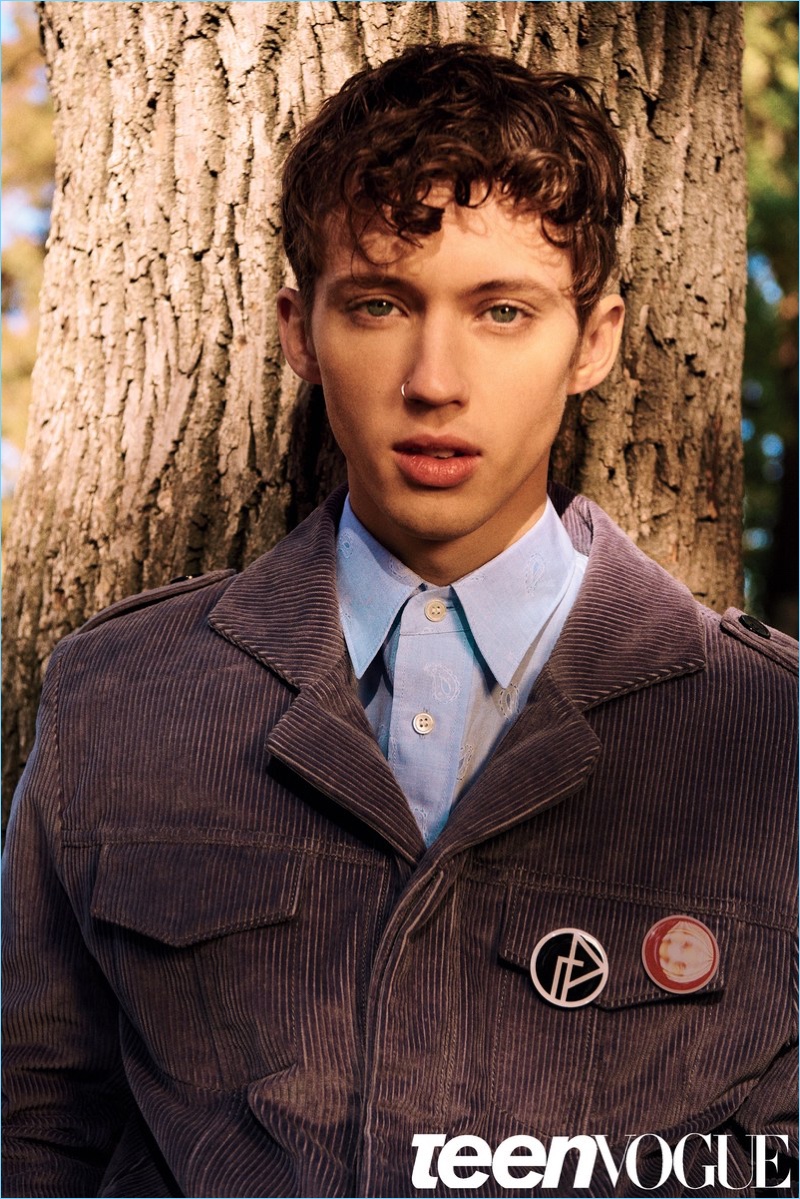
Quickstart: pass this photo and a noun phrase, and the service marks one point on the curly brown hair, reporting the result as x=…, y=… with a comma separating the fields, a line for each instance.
x=476, y=121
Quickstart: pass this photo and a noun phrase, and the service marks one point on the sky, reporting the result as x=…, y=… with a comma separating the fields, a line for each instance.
x=18, y=217
x=7, y=31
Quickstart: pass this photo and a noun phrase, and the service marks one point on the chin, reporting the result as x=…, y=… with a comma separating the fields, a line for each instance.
x=436, y=528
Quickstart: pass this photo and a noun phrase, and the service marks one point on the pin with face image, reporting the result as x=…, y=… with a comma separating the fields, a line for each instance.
x=680, y=954
x=569, y=967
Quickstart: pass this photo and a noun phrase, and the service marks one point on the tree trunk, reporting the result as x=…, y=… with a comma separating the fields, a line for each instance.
x=166, y=435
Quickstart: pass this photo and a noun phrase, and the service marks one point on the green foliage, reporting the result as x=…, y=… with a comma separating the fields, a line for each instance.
x=770, y=80
x=28, y=150
x=27, y=173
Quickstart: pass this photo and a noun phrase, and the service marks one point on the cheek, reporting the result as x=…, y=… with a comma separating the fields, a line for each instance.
x=348, y=419
x=354, y=390
x=344, y=372
x=541, y=377
x=540, y=417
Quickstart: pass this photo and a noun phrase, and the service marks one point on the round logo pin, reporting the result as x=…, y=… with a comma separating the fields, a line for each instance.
x=680, y=954
x=569, y=967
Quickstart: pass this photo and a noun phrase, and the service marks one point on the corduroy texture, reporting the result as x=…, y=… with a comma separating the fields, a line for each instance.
x=233, y=969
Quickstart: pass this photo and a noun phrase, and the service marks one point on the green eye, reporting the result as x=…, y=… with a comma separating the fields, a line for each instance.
x=504, y=314
x=378, y=307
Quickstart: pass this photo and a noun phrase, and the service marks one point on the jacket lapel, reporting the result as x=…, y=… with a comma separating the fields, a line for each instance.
x=283, y=611
x=632, y=626
x=548, y=754
x=326, y=739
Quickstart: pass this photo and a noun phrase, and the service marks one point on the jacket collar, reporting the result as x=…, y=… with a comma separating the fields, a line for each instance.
x=283, y=609
x=632, y=625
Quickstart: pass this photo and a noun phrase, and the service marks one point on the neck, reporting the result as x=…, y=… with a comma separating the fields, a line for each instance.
x=443, y=562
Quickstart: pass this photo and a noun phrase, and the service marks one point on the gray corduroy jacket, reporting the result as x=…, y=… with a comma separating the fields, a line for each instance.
x=233, y=969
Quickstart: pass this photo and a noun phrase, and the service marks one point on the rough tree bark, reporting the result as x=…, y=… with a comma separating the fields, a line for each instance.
x=166, y=435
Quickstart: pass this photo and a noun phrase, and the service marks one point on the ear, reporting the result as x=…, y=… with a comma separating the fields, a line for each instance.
x=295, y=336
x=598, y=345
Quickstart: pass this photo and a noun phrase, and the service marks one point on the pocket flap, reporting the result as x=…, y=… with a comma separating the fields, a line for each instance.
x=619, y=925
x=184, y=892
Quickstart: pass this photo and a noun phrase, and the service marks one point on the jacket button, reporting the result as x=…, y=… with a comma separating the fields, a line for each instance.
x=755, y=626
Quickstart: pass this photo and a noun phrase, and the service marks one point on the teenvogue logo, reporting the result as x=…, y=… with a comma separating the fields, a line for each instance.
x=534, y=1165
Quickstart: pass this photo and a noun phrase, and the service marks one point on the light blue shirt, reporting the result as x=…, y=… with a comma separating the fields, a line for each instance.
x=443, y=671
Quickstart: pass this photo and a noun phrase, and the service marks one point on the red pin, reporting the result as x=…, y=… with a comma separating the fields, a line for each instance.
x=680, y=954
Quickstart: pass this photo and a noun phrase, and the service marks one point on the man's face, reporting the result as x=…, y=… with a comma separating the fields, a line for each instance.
x=477, y=328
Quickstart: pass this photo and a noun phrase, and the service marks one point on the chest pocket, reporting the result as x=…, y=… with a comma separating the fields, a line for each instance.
x=196, y=939
x=629, y=1060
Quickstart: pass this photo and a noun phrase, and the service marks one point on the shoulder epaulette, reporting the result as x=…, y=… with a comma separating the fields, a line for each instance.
x=133, y=603
x=768, y=641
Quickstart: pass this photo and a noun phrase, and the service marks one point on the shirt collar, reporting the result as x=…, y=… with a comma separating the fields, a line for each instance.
x=372, y=586
x=507, y=601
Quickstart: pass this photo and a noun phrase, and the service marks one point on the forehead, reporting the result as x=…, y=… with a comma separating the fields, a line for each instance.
x=491, y=241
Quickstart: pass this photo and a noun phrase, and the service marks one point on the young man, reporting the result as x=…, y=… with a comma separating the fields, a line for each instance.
x=454, y=816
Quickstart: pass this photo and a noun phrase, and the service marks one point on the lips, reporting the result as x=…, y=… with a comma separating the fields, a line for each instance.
x=436, y=461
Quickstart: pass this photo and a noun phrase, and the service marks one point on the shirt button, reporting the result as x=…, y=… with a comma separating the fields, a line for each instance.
x=423, y=723
x=435, y=610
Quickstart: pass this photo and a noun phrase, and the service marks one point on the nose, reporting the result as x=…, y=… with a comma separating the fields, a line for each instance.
x=436, y=375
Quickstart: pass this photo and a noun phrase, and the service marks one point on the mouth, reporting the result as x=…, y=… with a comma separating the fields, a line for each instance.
x=437, y=447
x=436, y=462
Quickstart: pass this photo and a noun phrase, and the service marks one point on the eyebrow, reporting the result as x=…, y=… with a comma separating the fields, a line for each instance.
x=345, y=284
x=362, y=282
x=521, y=284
